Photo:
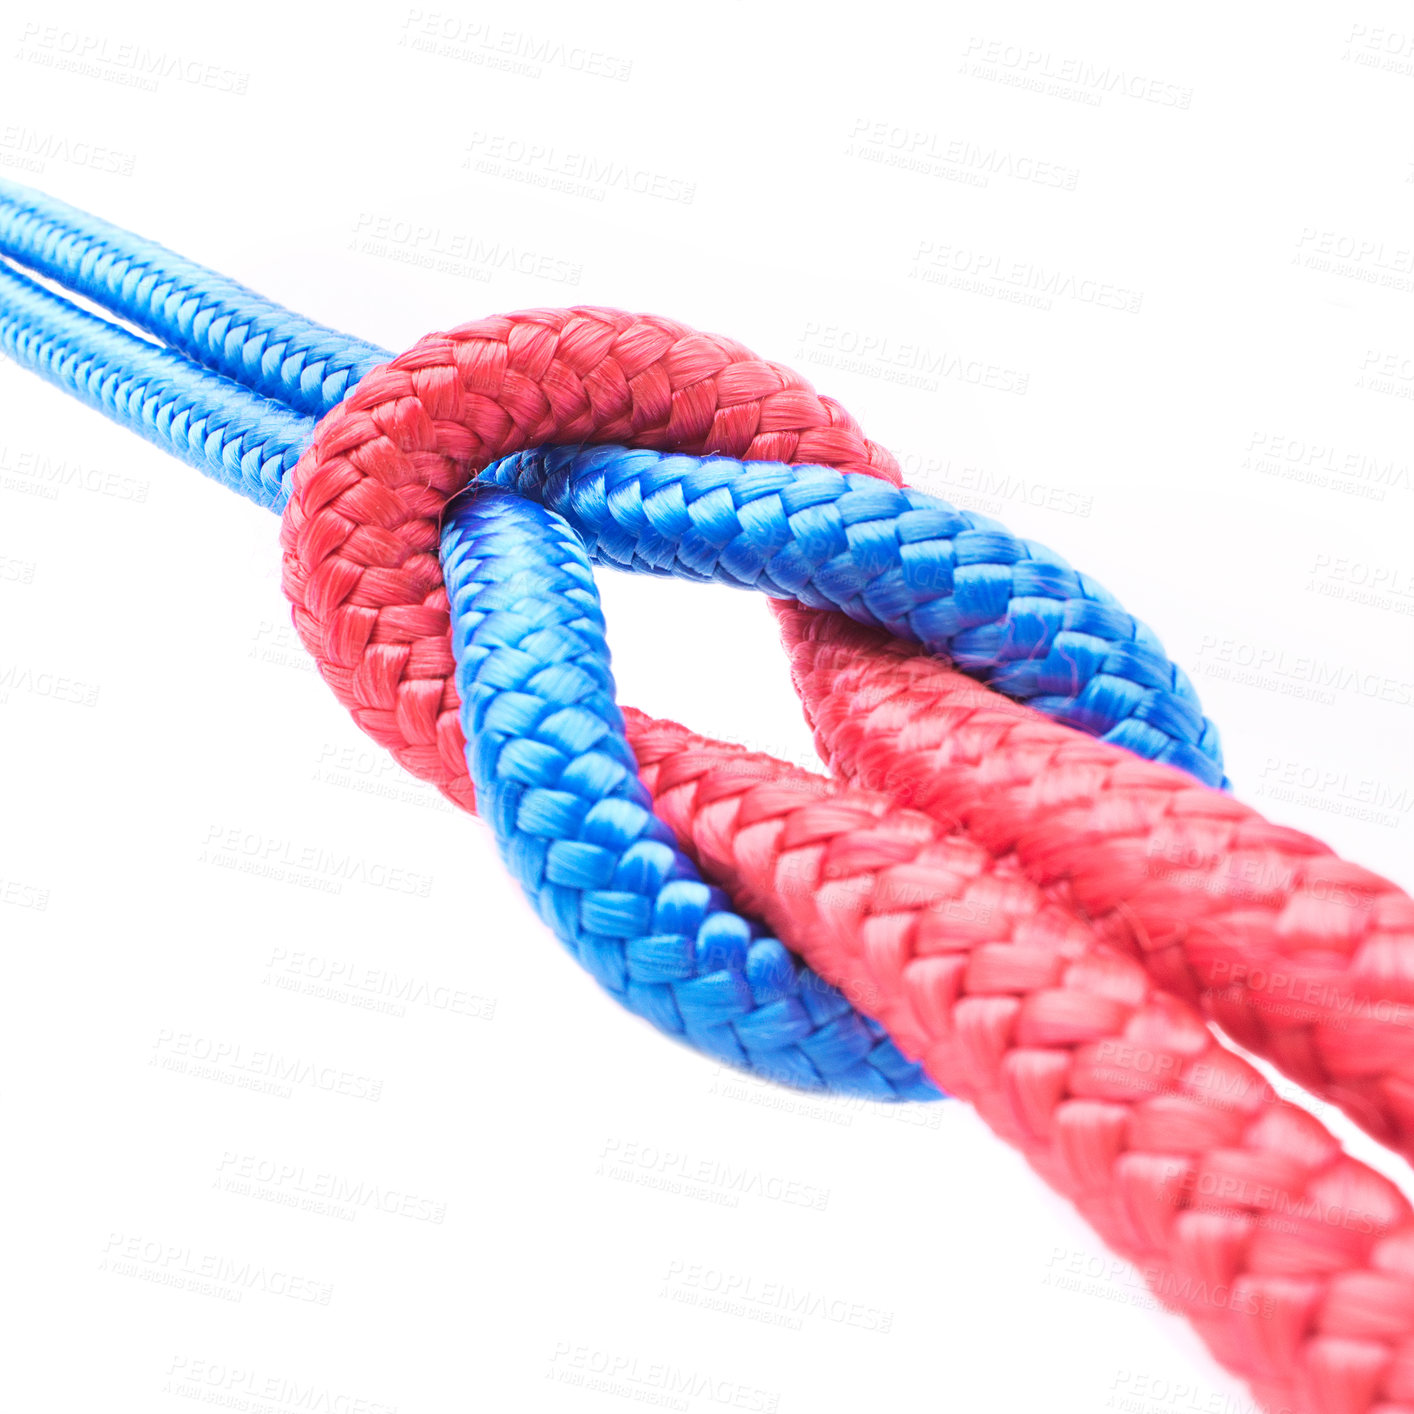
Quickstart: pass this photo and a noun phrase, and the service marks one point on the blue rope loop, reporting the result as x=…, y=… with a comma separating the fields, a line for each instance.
x=230, y=430
x=1007, y=611
x=557, y=782
x=233, y=384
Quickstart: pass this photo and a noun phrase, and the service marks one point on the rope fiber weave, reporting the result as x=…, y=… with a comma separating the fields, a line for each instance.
x=247, y=442
x=209, y=319
x=1114, y=1088
x=983, y=905
x=1293, y=1261
x=1304, y=958
x=1009, y=611
x=557, y=782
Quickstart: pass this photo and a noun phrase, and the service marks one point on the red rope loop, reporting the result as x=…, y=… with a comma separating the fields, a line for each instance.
x=1303, y=957
x=360, y=530
x=1018, y=968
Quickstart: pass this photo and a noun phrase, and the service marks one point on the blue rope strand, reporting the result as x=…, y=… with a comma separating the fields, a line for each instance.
x=557, y=781
x=1006, y=611
x=214, y=321
x=247, y=442
x=796, y=1028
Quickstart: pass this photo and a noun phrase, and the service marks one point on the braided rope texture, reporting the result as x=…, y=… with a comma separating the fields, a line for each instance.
x=233, y=428
x=247, y=442
x=783, y=1021
x=212, y=320
x=1294, y=1261
x=1324, y=1302
x=557, y=783
x=360, y=528
x=1302, y=957
x=1204, y=1170
x=1305, y=959
x=1155, y=1131
x=1008, y=611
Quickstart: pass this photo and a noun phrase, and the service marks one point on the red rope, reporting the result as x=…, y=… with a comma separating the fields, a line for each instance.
x=1302, y=957
x=1295, y=1262
x=360, y=530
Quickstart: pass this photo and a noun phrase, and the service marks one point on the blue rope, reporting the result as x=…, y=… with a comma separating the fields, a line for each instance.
x=557, y=782
x=239, y=399
x=247, y=442
x=212, y=320
x=1007, y=611
x=250, y=443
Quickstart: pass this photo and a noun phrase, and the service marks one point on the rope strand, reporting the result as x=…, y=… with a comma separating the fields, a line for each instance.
x=247, y=442
x=214, y=321
x=1033, y=961
x=1293, y=1261
x=557, y=782
x=1302, y=957
x=1010, y=612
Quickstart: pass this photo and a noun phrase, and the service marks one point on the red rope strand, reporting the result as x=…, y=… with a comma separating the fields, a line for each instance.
x=1302, y=957
x=1030, y=959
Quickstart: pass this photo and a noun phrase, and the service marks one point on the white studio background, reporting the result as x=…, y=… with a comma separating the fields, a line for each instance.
x=1209, y=412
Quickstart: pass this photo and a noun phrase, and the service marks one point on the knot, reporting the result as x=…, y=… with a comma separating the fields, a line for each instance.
x=1297, y=954
x=1009, y=612
x=1041, y=918
x=360, y=535
x=1038, y=962
x=359, y=532
x=557, y=782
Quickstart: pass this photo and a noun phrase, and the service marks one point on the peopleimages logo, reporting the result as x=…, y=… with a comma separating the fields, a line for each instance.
x=20, y=895
x=1256, y=665
x=1022, y=282
x=120, y=61
x=34, y=473
x=1371, y=799
x=482, y=42
x=371, y=988
x=246, y=1068
x=239, y=1387
x=1022, y=66
x=1357, y=250
x=1133, y=1392
x=451, y=252
x=32, y=151
x=934, y=154
x=989, y=491
x=253, y=852
x=247, y=1173
x=1361, y=790
x=908, y=364
x=674, y=1171
x=173, y=1264
x=774, y=1303
x=585, y=174
x=15, y=677
x=1114, y=1279
x=1312, y=461
x=655, y=1384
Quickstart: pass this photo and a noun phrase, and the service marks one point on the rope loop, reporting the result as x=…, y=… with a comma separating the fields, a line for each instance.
x=997, y=894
